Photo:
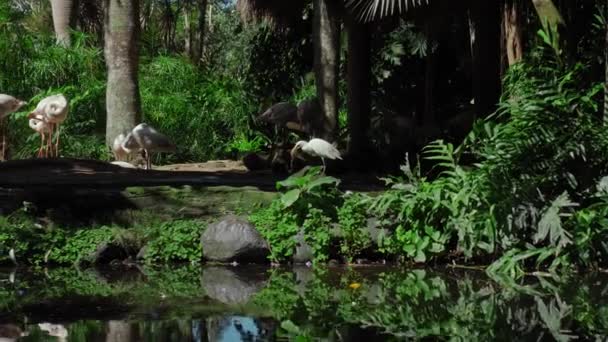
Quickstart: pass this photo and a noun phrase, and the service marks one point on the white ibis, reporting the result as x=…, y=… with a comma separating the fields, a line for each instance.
x=38, y=124
x=316, y=148
x=55, y=110
x=8, y=105
x=146, y=138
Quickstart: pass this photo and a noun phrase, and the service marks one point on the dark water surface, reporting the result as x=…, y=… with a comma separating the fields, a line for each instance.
x=245, y=303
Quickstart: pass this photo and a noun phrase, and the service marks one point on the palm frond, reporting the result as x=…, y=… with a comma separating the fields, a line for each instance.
x=368, y=10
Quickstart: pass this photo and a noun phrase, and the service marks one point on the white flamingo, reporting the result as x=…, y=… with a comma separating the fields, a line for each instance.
x=317, y=148
x=8, y=105
x=55, y=110
x=146, y=138
x=38, y=124
x=120, y=154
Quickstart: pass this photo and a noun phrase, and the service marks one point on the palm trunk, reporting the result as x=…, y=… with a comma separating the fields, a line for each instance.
x=122, y=59
x=512, y=31
x=359, y=78
x=119, y=331
x=326, y=40
x=63, y=17
x=199, y=40
x=188, y=30
x=484, y=25
x=606, y=74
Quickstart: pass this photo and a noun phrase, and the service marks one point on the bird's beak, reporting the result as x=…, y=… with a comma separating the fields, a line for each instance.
x=21, y=103
x=31, y=115
x=293, y=152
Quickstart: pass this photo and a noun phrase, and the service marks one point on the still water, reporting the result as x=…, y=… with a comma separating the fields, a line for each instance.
x=244, y=303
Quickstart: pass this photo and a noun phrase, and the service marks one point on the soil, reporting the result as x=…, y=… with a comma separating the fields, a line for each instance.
x=233, y=166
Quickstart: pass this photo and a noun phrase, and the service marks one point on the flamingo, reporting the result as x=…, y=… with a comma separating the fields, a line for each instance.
x=120, y=154
x=317, y=148
x=38, y=124
x=8, y=105
x=144, y=137
x=55, y=110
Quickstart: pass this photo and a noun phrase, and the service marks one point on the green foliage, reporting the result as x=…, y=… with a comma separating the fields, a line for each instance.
x=173, y=241
x=352, y=219
x=176, y=98
x=308, y=201
x=77, y=247
x=317, y=228
x=279, y=228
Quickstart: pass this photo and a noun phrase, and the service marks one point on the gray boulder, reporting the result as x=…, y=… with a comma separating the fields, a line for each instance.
x=303, y=252
x=105, y=253
x=234, y=239
x=233, y=286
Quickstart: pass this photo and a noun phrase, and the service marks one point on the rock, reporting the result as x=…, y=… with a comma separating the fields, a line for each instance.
x=107, y=252
x=304, y=275
x=303, y=252
x=233, y=286
x=234, y=239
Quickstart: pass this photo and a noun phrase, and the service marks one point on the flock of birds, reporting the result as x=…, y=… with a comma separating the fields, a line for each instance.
x=53, y=110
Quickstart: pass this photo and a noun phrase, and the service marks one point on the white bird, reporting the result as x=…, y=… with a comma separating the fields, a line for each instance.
x=120, y=154
x=146, y=138
x=11, y=255
x=38, y=124
x=8, y=105
x=55, y=330
x=317, y=148
x=55, y=110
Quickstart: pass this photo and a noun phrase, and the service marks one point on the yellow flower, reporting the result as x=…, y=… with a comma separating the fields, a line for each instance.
x=355, y=286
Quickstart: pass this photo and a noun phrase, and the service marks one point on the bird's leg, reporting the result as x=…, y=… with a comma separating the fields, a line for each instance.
x=49, y=142
x=57, y=142
x=146, y=159
x=42, y=137
x=323, y=161
x=3, y=140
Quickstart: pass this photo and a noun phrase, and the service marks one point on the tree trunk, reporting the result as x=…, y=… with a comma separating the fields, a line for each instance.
x=188, y=30
x=326, y=40
x=121, y=52
x=359, y=78
x=63, y=17
x=199, y=36
x=512, y=31
x=606, y=75
x=484, y=25
x=119, y=331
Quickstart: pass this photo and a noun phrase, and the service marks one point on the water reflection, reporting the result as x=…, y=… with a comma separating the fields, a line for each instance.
x=257, y=304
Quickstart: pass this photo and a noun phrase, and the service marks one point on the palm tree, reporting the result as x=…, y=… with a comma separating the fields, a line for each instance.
x=122, y=60
x=63, y=18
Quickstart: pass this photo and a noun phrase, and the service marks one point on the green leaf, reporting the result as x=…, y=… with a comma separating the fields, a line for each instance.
x=290, y=327
x=290, y=197
x=321, y=181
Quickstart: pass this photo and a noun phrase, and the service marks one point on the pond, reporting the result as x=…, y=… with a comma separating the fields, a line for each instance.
x=247, y=303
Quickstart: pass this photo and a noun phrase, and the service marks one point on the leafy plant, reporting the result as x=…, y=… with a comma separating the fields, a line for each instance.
x=173, y=241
